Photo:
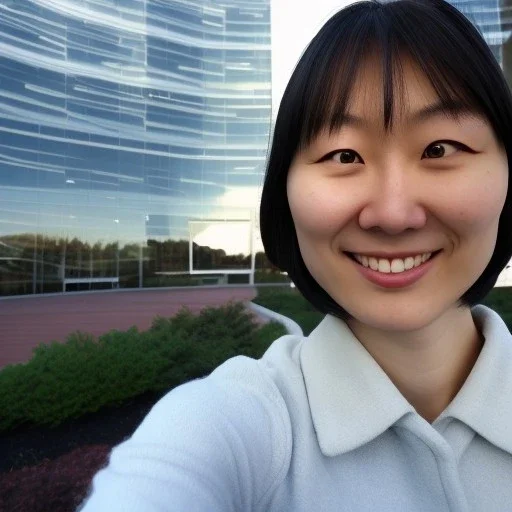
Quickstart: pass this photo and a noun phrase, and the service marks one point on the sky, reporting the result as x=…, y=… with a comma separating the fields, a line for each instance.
x=293, y=25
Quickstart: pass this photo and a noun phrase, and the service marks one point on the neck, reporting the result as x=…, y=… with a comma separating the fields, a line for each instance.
x=430, y=365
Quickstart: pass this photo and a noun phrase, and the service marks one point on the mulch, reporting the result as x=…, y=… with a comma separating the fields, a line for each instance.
x=44, y=468
x=110, y=425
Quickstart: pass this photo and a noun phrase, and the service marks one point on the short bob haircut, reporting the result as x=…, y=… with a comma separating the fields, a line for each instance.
x=452, y=54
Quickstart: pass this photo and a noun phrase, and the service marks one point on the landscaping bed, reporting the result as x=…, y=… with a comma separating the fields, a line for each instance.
x=58, y=485
x=64, y=410
x=45, y=468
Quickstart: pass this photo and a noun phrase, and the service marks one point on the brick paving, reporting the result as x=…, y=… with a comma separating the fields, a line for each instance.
x=27, y=321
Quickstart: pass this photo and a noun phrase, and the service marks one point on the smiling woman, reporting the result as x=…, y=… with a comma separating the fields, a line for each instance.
x=386, y=200
x=426, y=192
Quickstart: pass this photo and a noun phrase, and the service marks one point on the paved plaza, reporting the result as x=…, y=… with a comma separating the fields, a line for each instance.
x=27, y=321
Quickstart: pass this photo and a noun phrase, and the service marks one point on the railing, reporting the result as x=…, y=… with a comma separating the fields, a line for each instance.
x=90, y=280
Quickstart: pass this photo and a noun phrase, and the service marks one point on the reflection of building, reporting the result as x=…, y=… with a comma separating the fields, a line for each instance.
x=133, y=135
x=120, y=122
x=486, y=14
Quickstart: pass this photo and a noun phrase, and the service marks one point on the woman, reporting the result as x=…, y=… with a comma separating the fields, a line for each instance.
x=386, y=200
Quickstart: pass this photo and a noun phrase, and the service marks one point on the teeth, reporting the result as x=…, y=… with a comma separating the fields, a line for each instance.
x=384, y=266
x=409, y=263
x=374, y=263
x=395, y=266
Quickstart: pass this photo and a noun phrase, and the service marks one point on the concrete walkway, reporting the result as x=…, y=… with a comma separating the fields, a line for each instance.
x=27, y=321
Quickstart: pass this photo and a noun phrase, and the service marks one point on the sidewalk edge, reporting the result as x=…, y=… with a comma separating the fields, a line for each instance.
x=290, y=325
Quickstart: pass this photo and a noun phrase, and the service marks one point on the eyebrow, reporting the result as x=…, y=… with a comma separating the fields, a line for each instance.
x=441, y=108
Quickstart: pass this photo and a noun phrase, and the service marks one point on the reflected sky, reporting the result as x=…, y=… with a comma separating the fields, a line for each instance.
x=115, y=111
x=488, y=16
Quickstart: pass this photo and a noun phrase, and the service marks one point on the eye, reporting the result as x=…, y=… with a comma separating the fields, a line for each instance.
x=442, y=149
x=343, y=156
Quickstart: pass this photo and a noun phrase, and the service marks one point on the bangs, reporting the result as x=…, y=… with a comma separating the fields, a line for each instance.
x=387, y=34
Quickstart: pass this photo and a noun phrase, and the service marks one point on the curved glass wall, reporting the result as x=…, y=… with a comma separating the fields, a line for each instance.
x=487, y=15
x=133, y=136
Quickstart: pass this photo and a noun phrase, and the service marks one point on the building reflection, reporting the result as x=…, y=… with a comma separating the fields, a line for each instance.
x=123, y=124
x=133, y=137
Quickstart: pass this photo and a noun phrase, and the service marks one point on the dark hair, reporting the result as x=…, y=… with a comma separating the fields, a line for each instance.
x=452, y=54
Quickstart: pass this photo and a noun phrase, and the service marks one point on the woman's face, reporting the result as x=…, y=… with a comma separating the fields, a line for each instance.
x=369, y=204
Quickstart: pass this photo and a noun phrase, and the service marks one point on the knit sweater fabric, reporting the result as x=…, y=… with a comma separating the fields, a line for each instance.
x=316, y=425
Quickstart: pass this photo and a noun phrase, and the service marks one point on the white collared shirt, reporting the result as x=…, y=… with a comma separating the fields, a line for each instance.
x=316, y=425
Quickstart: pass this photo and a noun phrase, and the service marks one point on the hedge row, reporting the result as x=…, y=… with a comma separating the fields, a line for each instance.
x=83, y=374
x=289, y=302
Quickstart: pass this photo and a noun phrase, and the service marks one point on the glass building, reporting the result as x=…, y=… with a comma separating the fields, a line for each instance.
x=487, y=15
x=133, y=135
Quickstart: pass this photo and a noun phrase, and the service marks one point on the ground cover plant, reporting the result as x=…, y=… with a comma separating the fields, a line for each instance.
x=52, y=485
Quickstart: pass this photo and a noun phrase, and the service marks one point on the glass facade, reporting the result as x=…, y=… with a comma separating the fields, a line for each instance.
x=486, y=14
x=133, y=136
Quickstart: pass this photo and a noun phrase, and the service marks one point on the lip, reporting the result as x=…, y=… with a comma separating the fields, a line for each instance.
x=400, y=280
x=394, y=255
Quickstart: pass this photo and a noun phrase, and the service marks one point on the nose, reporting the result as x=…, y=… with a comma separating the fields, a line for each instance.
x=393, y=203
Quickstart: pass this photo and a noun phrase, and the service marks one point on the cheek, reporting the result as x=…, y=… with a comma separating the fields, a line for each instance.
x=317, y=207
x=478, y=204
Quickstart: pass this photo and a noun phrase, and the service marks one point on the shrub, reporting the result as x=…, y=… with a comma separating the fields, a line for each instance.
x=289, y=302
x=500, y=299
x=66, y=380
x=59, y=485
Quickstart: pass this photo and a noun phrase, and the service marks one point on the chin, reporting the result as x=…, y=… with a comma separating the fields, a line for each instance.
x=395, y=319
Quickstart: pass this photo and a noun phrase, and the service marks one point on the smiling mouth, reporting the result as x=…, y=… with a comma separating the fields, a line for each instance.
x=394, y=265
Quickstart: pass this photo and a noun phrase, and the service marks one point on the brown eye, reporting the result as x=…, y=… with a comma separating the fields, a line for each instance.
x=440, y=149
x=346, y=156
x=435, y=151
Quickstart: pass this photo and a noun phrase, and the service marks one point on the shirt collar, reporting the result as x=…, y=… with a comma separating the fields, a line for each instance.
x=352, y=400
x=484, y=402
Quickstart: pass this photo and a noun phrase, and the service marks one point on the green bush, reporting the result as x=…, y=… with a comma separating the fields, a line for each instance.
x=67, y=380
x=289, y=302
x=500, y=299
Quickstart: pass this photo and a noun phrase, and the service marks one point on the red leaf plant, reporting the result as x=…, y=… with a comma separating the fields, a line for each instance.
x=58, y=485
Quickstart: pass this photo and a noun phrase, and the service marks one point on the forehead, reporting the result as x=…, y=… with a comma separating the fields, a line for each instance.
x=381, y=83
x=409, y=88
x=408, y=96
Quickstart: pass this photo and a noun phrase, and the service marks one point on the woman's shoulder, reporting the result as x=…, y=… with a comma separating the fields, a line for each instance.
x=228, y=435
